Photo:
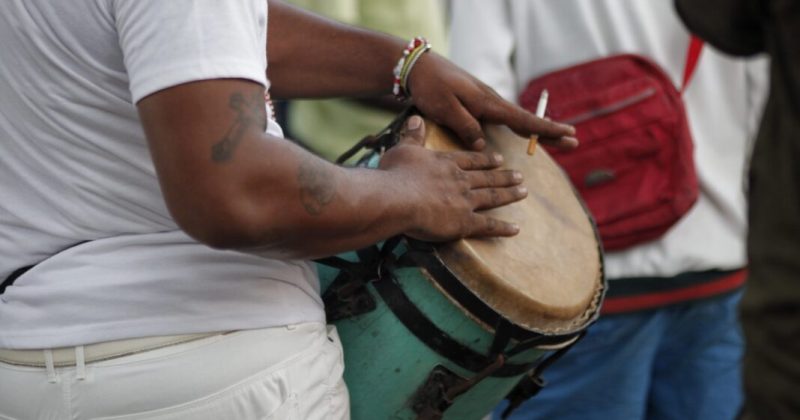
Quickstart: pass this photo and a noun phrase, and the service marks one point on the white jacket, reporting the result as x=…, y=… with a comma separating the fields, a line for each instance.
x=507, y=42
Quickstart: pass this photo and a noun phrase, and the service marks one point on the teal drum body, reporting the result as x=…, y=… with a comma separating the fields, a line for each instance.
x=449, y=330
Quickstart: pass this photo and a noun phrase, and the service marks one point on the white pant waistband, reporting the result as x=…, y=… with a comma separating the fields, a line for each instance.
x=72, y=356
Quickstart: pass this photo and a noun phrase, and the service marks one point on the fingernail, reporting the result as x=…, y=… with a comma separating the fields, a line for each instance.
x=414, y=122
x=479, y=144
x=497, y=157
x=522, y=190
x=514, y=227
x=517, y=176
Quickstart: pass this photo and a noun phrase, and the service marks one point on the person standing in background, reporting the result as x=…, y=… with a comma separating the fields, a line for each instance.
x=770, y=309
x=668, y=344
x=331, y=126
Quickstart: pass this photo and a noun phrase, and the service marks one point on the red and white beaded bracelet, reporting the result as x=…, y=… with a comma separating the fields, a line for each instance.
x=413, y=51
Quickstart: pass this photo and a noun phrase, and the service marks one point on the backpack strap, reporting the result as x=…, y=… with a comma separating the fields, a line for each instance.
x=692, y=57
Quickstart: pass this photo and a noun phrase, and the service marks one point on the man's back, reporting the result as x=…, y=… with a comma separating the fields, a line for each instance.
x=74, y=153
x=81, y=199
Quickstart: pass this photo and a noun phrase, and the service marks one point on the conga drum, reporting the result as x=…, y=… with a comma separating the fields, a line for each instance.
x=448, y=330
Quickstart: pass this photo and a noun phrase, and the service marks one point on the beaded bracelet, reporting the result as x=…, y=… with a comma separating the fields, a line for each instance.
x=413, y=51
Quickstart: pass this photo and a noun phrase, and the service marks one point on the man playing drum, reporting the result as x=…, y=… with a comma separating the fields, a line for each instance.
x=155, y=228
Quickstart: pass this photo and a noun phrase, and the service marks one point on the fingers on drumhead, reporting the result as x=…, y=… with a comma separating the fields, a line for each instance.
x=549, y=128
x=524, y=123
x=564, y=143
x=484, y=226
x=489, y=198
x=467, y=128
x=494, y=179
x=471, y=161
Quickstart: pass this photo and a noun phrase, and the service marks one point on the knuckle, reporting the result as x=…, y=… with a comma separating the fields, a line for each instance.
x=459, y=175
x=494, y=103
x=494, y=197
x=508, y=178
x=491, y=179
x=443, y=155
x=491, y=225
x=476, y=160
x=443, y=108
x=466, y=162
x=473, y=130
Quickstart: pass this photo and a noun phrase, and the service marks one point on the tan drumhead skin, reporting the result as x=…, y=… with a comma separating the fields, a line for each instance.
x=549, y=277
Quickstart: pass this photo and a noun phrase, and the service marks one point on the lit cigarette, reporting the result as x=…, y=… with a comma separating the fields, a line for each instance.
x=541, y=108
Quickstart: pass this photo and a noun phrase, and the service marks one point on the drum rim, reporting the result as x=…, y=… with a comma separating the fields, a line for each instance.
x=456, y=290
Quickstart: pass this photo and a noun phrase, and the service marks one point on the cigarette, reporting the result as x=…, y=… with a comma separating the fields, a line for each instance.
x=541, y=108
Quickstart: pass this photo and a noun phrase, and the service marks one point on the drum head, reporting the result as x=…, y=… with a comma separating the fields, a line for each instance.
x=548, y=278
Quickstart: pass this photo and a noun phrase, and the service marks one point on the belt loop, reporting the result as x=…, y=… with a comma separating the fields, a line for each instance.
x=51, y=369
x=80, y=364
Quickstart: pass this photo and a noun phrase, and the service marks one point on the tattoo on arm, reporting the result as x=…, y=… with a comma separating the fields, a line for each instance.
x=249, y=112
x=317, y=187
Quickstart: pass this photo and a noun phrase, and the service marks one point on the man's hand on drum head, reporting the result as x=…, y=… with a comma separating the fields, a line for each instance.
x=453, y=98
x=448, y=189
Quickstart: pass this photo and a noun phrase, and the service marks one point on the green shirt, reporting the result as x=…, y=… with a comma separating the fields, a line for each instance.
x=329, y=127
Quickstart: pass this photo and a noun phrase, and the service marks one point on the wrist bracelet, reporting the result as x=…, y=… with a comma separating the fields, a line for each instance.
x=411, y=54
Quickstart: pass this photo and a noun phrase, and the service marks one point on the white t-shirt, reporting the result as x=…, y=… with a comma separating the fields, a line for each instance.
x=75, y=167
x=506, y=43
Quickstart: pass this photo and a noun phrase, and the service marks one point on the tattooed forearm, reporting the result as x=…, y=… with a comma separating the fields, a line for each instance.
x=317, y=186
x=250, y=112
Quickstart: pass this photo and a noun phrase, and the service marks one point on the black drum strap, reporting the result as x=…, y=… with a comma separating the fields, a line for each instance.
x=502, y=336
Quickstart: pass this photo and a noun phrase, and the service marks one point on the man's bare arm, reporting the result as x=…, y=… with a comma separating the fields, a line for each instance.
x=230, y=185
x=311, y=56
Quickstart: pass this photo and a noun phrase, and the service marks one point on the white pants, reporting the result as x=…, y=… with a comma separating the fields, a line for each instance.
x=283, y=373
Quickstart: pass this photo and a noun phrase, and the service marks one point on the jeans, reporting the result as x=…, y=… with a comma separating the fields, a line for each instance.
x=676, y=362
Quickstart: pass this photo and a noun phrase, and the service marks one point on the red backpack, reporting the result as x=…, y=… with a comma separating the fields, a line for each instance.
x=634, y=167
